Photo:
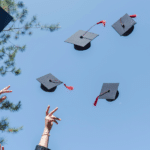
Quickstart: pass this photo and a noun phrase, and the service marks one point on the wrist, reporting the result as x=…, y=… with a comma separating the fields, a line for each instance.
x=46, y=130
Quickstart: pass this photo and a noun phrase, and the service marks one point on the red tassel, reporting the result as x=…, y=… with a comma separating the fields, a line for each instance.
x=133, y=16
x=69, y=87
x=95, y=103
x=103, y=22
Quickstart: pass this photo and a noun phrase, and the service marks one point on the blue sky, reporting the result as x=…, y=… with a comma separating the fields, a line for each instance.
x=122, y=124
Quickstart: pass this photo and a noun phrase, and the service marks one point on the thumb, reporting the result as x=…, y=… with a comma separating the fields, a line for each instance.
x=2, y=99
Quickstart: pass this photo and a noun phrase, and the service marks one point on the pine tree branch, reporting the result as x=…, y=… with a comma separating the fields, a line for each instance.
x=6, y=53
x=4, y=124
x=14, y=23
x=31, y=27
x=1, y=140
x=14, y=130
x=6, y=105
x=13, y=44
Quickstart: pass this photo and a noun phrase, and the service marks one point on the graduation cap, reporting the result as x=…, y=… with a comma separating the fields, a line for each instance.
x=109, y=92
x=81, y=39
x=49, y=83
x=125, y=25
x=5, y=18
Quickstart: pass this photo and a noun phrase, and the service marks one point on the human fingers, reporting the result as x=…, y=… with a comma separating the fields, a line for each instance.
x=6, y=88
x=53, y=111
x=1, y=92
x=6, y=91
x=55, y=121
x=1, y=100
x=56, y=118
x=47, y=110
x=0, y=146
x=51, y=120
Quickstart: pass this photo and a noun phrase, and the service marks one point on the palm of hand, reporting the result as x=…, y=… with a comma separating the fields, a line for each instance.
x=49, y=119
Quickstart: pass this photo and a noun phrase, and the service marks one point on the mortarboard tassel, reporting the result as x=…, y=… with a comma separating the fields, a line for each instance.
x=95, y=103
x=103, y=22
x=133, y=16
x=68, y=87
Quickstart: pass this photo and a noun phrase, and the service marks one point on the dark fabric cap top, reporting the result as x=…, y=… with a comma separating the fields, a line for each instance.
x=49, y=81
x=124, y=24
x=5, y=18
x=77, y=40
x=113, y=87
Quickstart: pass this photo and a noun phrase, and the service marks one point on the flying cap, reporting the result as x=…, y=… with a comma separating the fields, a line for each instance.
x=49, y=83
x=81, y=39
x=125, y=25
x=109, y=92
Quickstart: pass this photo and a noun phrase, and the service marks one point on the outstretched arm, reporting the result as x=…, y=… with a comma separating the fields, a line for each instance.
x=49, y=119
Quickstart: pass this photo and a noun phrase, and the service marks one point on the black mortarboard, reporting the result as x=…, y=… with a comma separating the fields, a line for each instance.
x=125, y=25
x=5, y=18
x=80, y=42
x=49, y=83
x=109, y=92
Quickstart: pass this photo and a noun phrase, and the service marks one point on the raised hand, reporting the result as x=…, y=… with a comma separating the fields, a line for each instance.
x=5, y=90
x=49, y=119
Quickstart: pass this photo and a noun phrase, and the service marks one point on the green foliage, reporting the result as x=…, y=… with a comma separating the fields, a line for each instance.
x=10, y=51
x=10, y=106
x=4, y=124
x=4, y=5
